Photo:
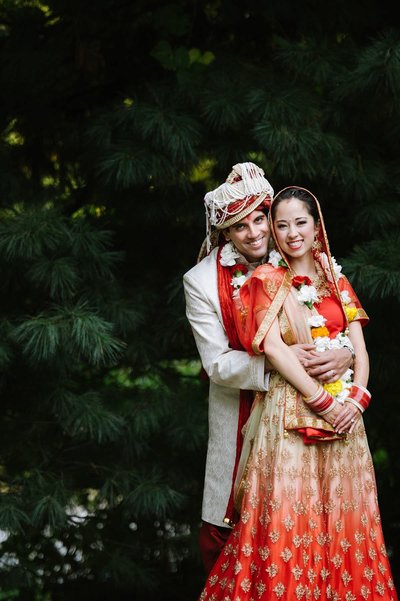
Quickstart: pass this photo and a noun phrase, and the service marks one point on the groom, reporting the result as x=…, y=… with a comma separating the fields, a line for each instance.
x=237, y=212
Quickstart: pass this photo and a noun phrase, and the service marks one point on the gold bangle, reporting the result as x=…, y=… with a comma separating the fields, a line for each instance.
x=309, y=399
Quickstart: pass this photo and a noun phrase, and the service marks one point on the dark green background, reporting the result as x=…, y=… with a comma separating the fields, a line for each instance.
x=116, y=117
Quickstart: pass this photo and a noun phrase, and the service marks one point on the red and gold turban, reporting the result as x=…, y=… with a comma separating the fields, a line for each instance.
x=244, y=190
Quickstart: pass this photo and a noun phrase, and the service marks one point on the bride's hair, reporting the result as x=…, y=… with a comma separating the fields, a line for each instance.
x=300, y=194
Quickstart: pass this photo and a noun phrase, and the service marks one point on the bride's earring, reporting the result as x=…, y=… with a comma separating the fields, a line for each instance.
x=316, y=246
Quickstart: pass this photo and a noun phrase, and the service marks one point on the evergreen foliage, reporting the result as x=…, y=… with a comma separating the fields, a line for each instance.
x=116, y=118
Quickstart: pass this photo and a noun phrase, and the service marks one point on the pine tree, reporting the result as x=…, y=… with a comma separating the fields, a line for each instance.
x=117, y=117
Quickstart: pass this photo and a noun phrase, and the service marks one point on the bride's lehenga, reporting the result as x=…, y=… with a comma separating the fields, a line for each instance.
x=309, y=526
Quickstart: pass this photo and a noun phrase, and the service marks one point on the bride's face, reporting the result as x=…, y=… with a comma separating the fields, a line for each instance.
x=295, y=228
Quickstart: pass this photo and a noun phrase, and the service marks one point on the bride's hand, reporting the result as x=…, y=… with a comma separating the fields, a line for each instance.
x=329, y=365
x=332, y=415
x=347, y=418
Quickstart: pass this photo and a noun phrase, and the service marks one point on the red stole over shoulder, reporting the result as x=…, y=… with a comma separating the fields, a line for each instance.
x=246, y=396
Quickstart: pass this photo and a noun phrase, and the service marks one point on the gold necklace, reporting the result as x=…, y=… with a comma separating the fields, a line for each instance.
x=321, y=283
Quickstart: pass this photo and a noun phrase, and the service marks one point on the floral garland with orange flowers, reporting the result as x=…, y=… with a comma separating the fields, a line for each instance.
x=323, y=342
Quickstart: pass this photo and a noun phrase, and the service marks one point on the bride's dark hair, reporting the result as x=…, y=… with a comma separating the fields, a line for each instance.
x=300, y=194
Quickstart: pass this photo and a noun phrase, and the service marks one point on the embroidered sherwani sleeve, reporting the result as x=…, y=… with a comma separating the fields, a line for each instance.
x=224, y=366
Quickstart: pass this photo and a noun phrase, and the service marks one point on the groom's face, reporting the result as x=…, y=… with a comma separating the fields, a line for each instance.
x=250, y=236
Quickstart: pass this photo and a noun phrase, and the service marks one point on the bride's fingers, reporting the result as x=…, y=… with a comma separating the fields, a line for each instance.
x=344, y=423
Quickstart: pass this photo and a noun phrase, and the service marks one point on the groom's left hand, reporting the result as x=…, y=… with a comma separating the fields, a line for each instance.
x=329, y=365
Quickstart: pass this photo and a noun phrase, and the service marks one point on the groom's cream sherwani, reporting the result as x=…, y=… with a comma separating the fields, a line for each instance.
x=229, y=371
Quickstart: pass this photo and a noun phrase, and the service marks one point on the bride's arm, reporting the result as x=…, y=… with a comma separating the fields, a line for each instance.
x=361, y=363
x=349, y=413
x=285, y=361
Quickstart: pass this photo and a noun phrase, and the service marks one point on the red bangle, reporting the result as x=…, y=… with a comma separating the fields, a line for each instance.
x=360, y=397
x=321, y=402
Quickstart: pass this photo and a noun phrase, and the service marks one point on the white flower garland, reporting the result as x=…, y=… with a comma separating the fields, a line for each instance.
x=238, y=281
x=228, y=258
x=307, y=295
x=276, y=260
x=229, y=254
x=337, y=269
x=345, y=297
x=340, y=388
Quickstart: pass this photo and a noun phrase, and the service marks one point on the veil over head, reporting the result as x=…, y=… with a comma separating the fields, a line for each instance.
x=321, y=250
